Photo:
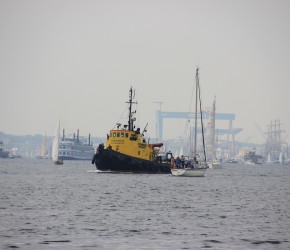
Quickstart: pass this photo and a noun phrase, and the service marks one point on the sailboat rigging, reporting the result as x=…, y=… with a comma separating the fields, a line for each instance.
x=194, y=166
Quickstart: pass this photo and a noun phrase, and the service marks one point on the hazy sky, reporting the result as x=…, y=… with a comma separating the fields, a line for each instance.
x=74, y=61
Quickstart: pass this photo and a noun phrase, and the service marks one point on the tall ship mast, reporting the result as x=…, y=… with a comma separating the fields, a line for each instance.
x=276, y=149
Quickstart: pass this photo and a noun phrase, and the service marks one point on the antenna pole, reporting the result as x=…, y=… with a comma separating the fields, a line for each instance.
x=131, y=121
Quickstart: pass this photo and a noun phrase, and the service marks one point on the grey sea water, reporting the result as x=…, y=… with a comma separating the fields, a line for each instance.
x=44, y=206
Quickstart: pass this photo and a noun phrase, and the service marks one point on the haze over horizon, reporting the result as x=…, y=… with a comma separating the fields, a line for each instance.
x=74, y=61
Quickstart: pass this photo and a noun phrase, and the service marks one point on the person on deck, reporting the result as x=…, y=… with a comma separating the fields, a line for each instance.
x=182, y=159
x=178, y=162
x=173, y=164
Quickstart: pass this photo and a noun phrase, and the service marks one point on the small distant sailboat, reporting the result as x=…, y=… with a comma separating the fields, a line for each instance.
x=195, y=166
x=43, y=148
x=269, y=158
x=55, y=147
x=42, y=152
x=281, y=158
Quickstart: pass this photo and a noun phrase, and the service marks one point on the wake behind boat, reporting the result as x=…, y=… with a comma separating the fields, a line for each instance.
x=126, y=149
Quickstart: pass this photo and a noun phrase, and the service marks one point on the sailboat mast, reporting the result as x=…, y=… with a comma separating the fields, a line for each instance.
x=195, y=122
x=201, y=120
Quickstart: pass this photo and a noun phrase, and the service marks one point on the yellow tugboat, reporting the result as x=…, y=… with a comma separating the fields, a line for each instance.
x=126, y=150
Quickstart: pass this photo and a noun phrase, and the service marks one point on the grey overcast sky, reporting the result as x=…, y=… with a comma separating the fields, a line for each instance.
x=74, y=61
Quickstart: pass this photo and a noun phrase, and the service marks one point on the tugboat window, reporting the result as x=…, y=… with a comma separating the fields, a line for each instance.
x=133, y=137
x=118, y=134
x=126, y=135
x=114, y=135
x=122, y=134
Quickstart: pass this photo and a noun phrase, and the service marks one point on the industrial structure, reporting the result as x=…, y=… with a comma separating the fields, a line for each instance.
x=229, y=131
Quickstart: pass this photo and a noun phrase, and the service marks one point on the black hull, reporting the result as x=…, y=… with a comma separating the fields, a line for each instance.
x=109, y=160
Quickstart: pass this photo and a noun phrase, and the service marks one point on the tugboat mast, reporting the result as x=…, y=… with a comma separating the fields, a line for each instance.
x=131, y=120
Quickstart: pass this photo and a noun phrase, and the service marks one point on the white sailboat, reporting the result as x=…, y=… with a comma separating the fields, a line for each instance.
x=55, y=147
x=43, y=148
x=213, y=161
x=196, y=171
x=42, y=151
x=195, y=166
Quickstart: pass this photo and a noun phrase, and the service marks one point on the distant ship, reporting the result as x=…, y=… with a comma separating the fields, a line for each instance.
x=276, y=148
x=3, y=153
x=75, y=149
x=252, y=157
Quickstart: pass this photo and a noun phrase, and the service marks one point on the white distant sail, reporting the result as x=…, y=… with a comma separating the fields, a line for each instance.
x=281, y=158
x=269, y=158
x=43, y=148
x=55, y=146
x=55, y=149
x=181, y=151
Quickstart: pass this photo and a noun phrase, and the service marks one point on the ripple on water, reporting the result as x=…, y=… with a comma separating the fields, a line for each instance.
x=265, y=242
x=74, y=208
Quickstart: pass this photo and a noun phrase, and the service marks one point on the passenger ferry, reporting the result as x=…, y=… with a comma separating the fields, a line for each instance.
x=75, y=149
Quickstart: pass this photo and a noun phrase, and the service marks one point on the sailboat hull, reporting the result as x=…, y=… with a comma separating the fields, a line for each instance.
x=110, y=160
x=58, y=162
x=189, y=172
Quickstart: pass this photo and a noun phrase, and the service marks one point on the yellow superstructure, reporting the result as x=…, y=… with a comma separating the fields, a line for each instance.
x=131, y=143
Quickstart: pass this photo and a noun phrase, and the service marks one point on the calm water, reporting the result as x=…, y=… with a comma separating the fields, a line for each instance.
x=44, y=206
